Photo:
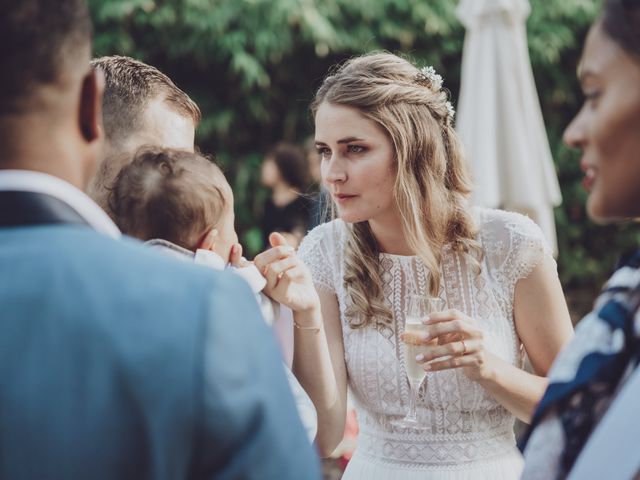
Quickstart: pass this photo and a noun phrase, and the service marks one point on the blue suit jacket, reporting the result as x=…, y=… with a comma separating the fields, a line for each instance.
x=119, y=363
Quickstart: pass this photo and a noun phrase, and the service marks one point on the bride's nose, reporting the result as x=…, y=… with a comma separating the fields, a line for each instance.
x=334, y=171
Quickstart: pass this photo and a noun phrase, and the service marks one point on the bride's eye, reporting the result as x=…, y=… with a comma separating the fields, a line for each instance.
x=355, y=149
x=324, y=152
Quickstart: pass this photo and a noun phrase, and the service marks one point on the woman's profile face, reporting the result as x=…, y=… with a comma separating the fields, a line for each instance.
x=269, y=173
x=357, y=164
x=607, y=128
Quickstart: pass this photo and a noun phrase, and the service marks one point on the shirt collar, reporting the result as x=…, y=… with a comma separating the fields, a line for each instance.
x=37, y=182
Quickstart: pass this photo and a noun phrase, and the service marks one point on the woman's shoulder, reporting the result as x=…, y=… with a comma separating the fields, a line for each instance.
x=495, y=224
x=322, y=250
x=512, y=242
x=329, y=236
x=332, y=231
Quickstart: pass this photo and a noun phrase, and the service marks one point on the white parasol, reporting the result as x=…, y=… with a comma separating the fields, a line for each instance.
x=499, y=118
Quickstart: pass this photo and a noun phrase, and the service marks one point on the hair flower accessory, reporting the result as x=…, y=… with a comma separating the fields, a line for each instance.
x=428, y=77
x=450, y=110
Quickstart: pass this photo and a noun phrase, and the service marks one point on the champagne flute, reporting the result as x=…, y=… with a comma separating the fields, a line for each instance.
x=418, y=309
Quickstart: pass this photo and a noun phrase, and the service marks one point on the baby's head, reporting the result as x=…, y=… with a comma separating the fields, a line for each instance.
x=176, y=196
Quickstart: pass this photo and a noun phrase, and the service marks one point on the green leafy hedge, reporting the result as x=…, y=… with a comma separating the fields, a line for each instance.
x=253, y=65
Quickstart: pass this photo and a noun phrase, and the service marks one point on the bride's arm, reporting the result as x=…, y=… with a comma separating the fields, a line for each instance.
x=542, y=323
x=318, y=358
x=318, y=363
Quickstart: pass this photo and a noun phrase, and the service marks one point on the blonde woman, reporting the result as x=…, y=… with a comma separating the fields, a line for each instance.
x=396, y=173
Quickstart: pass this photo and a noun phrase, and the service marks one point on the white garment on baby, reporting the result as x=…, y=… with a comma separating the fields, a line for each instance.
x=271, y=310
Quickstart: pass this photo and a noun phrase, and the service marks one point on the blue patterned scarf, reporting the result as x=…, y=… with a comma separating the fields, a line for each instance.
x=580, y=402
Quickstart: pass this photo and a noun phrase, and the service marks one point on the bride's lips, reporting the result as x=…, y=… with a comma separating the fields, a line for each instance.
x=590, y=174
x=343, y=197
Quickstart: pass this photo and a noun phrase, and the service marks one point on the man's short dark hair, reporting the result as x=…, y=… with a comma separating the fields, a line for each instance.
x=38, y=39
x=129, y=87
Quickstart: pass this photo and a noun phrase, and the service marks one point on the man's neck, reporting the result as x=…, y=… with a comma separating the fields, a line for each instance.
x=36, y=148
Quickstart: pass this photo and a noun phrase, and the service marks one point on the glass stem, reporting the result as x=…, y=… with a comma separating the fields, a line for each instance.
x=413, y=402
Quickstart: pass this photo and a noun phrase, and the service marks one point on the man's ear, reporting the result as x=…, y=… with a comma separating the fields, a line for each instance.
x=91, y=106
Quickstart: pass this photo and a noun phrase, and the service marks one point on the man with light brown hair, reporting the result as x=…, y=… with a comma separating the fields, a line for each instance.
x=141, y=106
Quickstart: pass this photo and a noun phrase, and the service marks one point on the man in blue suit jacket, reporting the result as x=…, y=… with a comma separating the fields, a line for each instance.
x=114, y=362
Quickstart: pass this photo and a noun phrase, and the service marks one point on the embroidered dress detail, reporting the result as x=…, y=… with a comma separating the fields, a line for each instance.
x=469, y=434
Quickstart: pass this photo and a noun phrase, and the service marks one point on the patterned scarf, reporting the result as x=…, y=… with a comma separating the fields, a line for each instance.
x=586, y=377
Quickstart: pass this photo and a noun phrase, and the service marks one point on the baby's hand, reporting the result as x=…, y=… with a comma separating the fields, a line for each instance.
x=235, y=258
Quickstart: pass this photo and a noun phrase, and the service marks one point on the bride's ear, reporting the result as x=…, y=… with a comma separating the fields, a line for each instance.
x=208, y=241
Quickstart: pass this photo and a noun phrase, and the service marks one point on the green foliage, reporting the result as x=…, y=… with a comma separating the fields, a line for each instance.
x=253, y=65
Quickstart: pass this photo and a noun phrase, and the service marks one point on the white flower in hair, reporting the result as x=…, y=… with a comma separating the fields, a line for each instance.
x=450, y=110
x=430, y=77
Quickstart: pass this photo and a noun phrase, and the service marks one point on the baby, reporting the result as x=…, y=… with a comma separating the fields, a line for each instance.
x=180, y=202
x=180, y=198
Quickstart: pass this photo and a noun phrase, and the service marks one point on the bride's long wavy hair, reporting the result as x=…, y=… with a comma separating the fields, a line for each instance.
x=432, y=181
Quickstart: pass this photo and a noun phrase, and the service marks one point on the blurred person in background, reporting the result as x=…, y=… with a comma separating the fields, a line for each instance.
x=141, y=106
x=592, y=374
x=285, y=172
x=115, y=362
x=395, y=169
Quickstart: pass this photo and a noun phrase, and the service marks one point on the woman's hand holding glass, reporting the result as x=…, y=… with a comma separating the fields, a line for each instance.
x=460, y=344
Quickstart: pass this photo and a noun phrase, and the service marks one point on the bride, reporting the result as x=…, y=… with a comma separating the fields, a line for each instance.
x=395, y=170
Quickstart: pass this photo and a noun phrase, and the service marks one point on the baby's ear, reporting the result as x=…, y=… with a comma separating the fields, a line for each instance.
x=209, y=240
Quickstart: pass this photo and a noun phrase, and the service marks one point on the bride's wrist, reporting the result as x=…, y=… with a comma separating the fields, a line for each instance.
x=489, y=370
x=308, y=319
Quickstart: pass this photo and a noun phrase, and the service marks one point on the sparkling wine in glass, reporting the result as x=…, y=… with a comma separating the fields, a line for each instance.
x=418, y=309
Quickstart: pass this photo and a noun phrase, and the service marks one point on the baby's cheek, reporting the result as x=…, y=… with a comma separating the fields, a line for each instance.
x=224, y=250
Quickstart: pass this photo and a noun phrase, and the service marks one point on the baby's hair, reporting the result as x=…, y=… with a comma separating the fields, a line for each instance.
x=168, y=194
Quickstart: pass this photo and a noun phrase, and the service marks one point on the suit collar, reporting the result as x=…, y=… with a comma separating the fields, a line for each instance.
x=52, y=198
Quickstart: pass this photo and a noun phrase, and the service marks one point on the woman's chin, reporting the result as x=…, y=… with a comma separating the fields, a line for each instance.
x=350, y=217
x=604, y=214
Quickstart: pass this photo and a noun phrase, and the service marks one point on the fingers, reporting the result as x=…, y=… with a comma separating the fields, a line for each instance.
x=454, y=325
x=235, y=259
x=274, y=271
x=455, y=362
x=292, y=275
x=272, y=255
x=444, y=316
x=453, y=349
x=277, y=240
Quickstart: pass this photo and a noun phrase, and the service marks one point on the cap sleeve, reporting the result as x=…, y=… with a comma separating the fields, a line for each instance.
x=515, y=245
x=317, y=251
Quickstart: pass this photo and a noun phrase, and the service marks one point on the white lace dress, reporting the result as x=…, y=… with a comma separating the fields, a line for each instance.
x=469, y=435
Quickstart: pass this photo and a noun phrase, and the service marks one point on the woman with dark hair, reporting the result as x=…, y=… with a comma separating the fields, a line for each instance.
x=591, y=373
x=285, y=172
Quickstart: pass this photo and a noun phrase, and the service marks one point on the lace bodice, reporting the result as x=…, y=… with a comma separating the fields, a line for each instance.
x=465, y=424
